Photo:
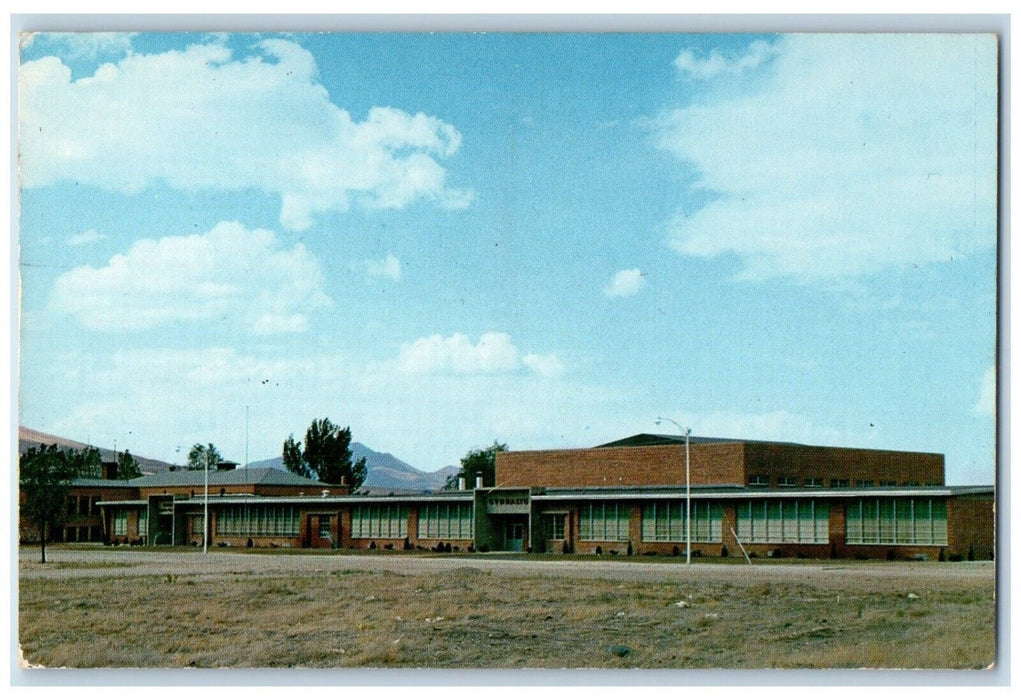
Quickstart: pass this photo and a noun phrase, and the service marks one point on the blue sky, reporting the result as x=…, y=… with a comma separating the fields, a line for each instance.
x=548, y=240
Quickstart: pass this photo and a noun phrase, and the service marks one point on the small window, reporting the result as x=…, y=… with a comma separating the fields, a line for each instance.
x=910, y=483
x=120, y=522
x=758, y=480
x=887, y=483
x=813, y=482
x=787, y=481
x=867, y=483
x=555, y=526
x=840, y=483
x=324, y=527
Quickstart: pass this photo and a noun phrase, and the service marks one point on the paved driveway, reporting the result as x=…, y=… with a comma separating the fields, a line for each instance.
x=72, y=561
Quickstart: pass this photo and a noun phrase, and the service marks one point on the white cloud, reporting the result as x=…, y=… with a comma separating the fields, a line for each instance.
x=986, y=404
x=204, y=119
x=228, y=273
x=716, y=64
x=495, y=353
x=625, y=283
x=389, y=267
x=429, y=420
x=852, y=153
x=85, y=237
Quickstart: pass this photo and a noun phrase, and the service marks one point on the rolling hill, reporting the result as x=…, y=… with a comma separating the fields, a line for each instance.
x=385, y=472
x=28, y=438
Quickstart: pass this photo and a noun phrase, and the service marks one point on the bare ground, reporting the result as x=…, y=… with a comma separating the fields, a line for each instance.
x=106, y=608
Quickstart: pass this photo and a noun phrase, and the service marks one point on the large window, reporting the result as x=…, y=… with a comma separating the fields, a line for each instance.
x=143, y=522
x=664, y=521
x=383, y=520
x=802, y=521
x=897, y=521
x=120, y=522
x=605, y=521
x=454, y=521
x=257, y=521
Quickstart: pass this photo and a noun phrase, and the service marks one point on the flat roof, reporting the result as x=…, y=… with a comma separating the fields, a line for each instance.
x=242, y=499
x=263, y=476
x=656, y=439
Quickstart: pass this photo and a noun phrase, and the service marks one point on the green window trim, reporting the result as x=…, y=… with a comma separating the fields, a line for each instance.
x=257, y=521
x=783, y=521
x=379, y=521
x=604, y=521
x=664, y=521
x=897, y=521
x=455, y=521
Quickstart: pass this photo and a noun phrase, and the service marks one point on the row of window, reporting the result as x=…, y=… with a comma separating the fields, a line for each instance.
x=257, y=521
x=82, y=505
x=454, y=521
x=816, y=482
x=803, y=521
x=920, y=521
x=664, y=521
x=897, y=521
x=385, y=521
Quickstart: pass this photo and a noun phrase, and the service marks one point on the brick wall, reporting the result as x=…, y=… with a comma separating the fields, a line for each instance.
x=715, y=463
x=720, y=463
x=804, y=461
x=971, y=526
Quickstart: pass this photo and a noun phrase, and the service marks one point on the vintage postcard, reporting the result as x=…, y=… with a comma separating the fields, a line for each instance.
x=504, y=350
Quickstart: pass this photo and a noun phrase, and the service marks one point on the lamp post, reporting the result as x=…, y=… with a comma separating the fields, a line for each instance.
x=687, y=485
x=205, y=509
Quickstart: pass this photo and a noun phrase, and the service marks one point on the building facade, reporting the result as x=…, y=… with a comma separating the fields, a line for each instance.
x=747, y=498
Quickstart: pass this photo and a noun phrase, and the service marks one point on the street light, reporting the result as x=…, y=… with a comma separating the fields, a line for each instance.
x=205, y=509
x=687, y=485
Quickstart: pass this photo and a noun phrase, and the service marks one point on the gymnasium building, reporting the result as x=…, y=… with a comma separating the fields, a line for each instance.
x=747, y=498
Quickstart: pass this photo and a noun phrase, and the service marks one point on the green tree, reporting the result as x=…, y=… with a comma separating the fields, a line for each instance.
x=478, y=462
x=327, y=455
x=127, y=466
x=87, y=463
x=201, y=455
x=293, y=459
x=45, y=476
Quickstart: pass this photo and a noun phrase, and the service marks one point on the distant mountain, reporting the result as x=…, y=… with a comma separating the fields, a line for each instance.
x=385, y=472
x=28, y=438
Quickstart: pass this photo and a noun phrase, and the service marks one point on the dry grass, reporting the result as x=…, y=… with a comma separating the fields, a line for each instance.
x=473, y=619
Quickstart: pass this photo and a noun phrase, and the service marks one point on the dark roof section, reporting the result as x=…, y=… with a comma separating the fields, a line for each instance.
x=102, y=483
x=652, y=439
x=264, y=476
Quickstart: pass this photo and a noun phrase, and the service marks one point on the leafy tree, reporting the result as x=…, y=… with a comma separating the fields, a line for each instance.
x=478, y=461
x=127, y=466
x=293, y=459
x=327, y=455
x=87, y=463
x=45, y=476
x=200, y=455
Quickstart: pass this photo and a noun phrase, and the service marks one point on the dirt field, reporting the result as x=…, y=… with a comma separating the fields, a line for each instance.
x=104, y=608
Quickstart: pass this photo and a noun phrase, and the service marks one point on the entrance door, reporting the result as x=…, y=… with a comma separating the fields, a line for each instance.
x=515, y=536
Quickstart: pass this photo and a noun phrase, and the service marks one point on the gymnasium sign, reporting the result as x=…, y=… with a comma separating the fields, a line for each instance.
x=507, y=503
